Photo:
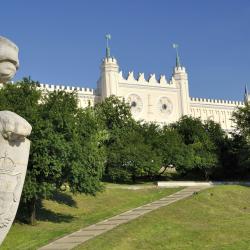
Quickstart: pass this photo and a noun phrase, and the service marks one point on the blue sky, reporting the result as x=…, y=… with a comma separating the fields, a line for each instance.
x=62, y=41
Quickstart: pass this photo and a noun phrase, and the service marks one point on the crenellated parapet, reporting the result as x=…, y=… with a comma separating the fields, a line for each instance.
x=140, y=78
x=215, y=101
x=180, y=70
x=109, y=60
x=80, y=90
x=219, y=111
x=86, y=96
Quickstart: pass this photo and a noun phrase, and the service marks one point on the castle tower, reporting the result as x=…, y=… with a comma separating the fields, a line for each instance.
x=246, y=96
x=181, y=79
x=108, y=82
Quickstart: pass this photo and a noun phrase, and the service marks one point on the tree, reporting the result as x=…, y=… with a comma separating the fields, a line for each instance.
x=201, y=149
x=172, y=149
x=241, y=118
x=225, y=149
x=129, y=153
x=114, y=112
x=241, y=138
x=67, y=142
x=129, y=157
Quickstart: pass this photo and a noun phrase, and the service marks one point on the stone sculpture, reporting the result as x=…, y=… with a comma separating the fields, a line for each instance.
x=8, y=59
x=14, y=147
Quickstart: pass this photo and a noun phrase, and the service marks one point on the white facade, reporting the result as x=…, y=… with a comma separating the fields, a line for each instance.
x=154, y=99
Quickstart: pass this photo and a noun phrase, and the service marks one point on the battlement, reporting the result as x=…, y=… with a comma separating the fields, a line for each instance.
x=180, y=70
x=216, y=101
x=109, y=60
x=141, y=79
x=80, y=90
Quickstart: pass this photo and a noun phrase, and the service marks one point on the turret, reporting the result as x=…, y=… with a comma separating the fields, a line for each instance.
x=246, y=96
x=181, y=79
x=108, y=82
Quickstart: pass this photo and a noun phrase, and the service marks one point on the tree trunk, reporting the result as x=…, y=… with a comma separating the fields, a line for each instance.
x=206, y=174
x=32, y=211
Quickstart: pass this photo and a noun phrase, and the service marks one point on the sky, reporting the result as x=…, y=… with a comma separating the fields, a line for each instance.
x=63, y=41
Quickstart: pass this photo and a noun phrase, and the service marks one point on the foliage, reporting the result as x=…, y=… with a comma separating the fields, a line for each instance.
x=129, y=157
x=174, y=151
x=129, y=153
x=74, y=147
x=241, y=139
x=242, y=119
x=114, y=112
x=67, y=142
x=201, y=151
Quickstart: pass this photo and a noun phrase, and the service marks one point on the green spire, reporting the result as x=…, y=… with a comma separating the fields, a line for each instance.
x=108, y=37
x=178, y=62
x=246, y=95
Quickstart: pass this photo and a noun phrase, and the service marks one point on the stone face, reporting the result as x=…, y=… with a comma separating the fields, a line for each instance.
x=8, y=59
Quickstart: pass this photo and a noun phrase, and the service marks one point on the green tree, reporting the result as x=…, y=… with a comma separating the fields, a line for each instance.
x=67, y=142
x=241, y=138
x=114, y=112
x=226, y=166
x=129, y=153
x=241, y=117
x=129, y=157
x=201, y=149
x=172, y=149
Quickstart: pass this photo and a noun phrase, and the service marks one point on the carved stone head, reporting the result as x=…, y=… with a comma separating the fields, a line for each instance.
x=8, y=59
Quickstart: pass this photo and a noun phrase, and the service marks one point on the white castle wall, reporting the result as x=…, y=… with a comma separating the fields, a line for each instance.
x=150, y=91
x=87, y=96
x=151, y=94
x=219, y=111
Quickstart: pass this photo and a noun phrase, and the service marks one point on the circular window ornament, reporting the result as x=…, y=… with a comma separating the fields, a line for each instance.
x=135, y=103
x=165, y=105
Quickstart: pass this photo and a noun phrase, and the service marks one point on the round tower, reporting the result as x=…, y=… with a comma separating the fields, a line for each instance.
x=108, y=82
x=181, y=79
x=109, y=77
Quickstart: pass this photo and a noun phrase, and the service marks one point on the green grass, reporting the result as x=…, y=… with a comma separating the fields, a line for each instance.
x=57, y=219
x=214, y=219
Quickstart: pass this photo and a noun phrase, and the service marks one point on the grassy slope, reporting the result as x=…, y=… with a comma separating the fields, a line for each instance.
x=216, y=219
x=57, y=219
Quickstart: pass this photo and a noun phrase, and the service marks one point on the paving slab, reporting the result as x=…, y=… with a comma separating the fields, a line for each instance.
x=101, y=227
x=70, y=240
x=129, y=216
x=143, y=209
x=62, y=246
x=112, y=222
x=74, y=239
x=90, y=232
x=82, y=237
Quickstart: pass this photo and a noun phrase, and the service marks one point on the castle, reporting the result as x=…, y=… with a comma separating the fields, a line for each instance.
x=154, y=99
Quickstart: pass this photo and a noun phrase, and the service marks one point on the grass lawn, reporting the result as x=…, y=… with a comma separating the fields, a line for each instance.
x=69, y=213
x=214, y=219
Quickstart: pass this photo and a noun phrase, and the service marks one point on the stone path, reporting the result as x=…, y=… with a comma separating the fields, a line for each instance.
x=72, y=240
